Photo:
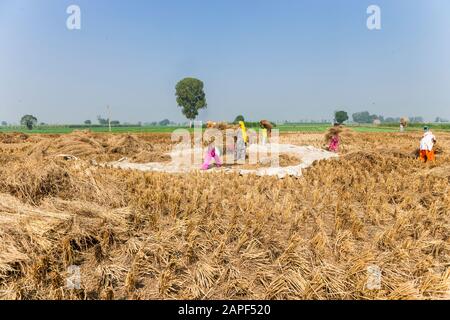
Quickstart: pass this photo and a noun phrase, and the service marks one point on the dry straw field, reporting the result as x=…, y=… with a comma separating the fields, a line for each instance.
x=142, y=235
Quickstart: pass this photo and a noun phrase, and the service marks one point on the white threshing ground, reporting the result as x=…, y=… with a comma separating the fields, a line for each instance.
x=306, y=154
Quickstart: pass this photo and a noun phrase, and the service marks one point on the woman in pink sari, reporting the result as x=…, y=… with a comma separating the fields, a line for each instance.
x=333, y=137
x=334, y=143
x=211, y=153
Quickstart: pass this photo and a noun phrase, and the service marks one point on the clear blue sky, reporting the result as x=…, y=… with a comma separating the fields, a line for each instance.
x=276, y=59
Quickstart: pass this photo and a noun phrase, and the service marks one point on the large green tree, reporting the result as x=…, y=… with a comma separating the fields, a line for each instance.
x=190, y=97
x=29, y=121
x=340, y=116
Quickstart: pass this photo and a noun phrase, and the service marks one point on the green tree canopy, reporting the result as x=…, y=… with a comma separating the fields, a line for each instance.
x=341, y=116
x=164, y=122
x=239, y=118
x=392, y=120
x=102, y=121
x=190, y=97
x=366, y=117
x=362, y=117
x=416, y=119
x=439, y=119
x=88, y=122
x=29, y=121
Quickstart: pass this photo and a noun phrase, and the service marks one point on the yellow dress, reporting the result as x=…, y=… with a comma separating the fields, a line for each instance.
x=244, y=131
x=264, y=133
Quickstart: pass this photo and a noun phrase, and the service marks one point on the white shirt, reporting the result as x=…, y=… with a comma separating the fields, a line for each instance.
x=427, y=141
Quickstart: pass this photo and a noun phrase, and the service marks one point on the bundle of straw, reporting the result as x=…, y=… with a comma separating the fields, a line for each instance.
x=332, y=132
x=404, y=121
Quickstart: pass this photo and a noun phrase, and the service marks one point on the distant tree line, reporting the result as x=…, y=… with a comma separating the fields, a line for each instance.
x=441, y=120
x=105, y=122
x=366, y=117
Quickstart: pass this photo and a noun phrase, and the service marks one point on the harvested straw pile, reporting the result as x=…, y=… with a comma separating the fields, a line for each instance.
x=14, y=137
x=287, y=160
x=220, y=125
x=139, y=150
x=284, y=160
x=86, y=145
x=141, y=235
x=78, y=143
x=34, y=180
x=127, y=144
x=146, y=156
x=440, y=172
x=29, y=184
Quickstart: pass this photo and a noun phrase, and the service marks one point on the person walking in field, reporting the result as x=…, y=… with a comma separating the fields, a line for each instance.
x=403, y=124
x=426, y=146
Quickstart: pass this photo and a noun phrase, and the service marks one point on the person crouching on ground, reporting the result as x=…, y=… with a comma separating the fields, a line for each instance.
x=426, y=146
x=211, y=153
x=266, y=127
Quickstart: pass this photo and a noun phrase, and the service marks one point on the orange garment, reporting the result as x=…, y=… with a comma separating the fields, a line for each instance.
x=426, y=155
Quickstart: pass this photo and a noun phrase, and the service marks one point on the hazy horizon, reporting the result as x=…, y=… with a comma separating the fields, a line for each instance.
x=280, y=60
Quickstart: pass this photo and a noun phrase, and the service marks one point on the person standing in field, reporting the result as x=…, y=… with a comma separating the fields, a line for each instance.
x=241, y=141
x=426, y=146
x=403, y=124
x=243, y=129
